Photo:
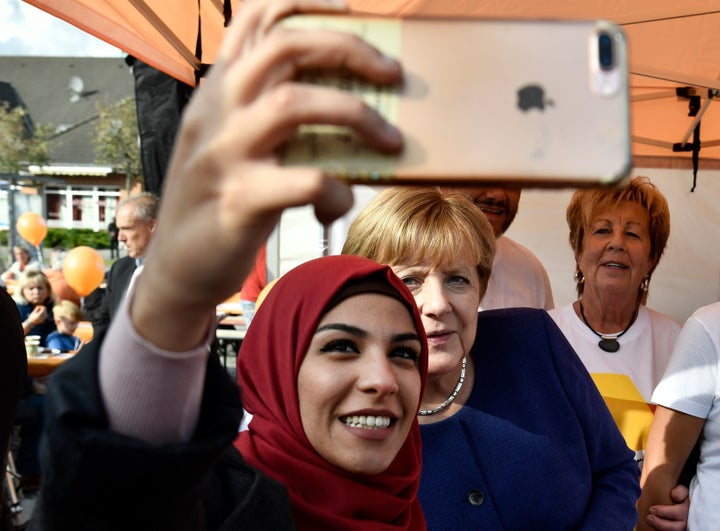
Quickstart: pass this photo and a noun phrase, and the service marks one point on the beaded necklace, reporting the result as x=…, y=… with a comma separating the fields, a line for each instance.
x=448, y=400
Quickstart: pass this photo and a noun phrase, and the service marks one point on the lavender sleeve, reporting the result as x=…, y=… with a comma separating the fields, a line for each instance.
x=150, y=393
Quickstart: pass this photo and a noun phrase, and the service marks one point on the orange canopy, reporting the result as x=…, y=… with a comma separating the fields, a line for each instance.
x=672, y=44
x=161, y=33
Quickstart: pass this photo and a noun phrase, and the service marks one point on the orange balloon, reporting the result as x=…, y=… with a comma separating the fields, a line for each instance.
x=84, y=269
x=31, y=227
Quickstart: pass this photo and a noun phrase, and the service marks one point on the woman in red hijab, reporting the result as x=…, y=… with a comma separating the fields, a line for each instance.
x=331, y=372
x=340, y=364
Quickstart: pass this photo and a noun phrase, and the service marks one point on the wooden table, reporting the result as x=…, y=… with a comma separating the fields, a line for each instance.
x=43, y=365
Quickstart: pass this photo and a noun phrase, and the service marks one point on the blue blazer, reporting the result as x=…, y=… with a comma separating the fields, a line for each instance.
x=535, y=446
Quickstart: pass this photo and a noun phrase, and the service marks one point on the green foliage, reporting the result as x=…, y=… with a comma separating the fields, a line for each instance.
x=17, y=149
x=116, y=136
x=69, y=238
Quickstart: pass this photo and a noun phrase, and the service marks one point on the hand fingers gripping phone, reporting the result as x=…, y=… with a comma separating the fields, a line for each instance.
x=539, y=103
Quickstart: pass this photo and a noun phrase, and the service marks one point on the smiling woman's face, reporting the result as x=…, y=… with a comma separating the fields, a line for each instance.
x=616, y=251
x=359, y=383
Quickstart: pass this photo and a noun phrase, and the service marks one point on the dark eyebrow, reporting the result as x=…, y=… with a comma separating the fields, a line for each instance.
x=359, y=332
x=406, y=337
x=354, y=330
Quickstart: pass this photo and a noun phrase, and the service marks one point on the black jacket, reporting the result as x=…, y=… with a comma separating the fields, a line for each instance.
x=13, y=376
x=94, y=478
x=118, y=281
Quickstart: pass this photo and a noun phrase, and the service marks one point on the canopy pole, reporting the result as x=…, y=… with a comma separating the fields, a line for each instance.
x=698, y=116
x=695, y=154
x=166, y=32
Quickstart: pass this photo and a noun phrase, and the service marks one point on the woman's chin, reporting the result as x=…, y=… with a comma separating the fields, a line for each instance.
x=442, y=363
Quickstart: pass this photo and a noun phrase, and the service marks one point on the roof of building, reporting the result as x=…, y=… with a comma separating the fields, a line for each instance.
x=45, y=85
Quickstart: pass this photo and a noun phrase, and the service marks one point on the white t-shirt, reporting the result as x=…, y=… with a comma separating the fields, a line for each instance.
x=691, y=384
x=626, y=378
x=518, y=279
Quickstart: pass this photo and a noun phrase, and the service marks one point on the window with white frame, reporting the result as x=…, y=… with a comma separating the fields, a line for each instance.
x=81, y=207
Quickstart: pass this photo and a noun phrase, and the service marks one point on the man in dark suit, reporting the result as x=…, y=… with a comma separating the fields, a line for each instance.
x=136, y=218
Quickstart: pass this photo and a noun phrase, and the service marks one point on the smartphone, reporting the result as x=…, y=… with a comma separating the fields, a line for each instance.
x=532, y=103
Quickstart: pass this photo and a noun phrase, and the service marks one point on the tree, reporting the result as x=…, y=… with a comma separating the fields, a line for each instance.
x=21, y=145
x=18, y=148
x=116, y=136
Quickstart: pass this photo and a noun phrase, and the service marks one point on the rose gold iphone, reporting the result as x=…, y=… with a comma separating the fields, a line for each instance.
x=541, y=103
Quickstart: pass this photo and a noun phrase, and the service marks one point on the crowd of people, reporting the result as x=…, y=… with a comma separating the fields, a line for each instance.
x=491, y=435
x=421, y=379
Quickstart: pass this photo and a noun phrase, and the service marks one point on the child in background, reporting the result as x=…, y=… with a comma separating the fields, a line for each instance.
x=66, y=314
x=35, y=300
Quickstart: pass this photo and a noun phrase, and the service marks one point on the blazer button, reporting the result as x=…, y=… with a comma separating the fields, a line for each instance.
x=475, y=497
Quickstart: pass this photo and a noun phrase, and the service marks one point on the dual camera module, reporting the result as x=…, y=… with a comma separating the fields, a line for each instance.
x=606, y=62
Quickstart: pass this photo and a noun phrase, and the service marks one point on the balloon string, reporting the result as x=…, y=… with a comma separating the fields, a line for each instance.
x=40, y=255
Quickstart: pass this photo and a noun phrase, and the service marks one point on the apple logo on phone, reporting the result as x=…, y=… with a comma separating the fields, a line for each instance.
x=532, y=97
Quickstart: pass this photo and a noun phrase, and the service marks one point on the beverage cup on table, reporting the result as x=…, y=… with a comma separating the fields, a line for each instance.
x=32, y=345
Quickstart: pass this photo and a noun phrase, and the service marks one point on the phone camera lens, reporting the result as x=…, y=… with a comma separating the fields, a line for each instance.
x=605, y=51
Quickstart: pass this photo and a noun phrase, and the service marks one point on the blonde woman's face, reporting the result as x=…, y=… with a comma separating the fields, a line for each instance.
x=447, y=297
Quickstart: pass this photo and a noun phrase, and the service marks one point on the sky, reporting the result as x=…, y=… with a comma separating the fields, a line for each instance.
x=26, y=30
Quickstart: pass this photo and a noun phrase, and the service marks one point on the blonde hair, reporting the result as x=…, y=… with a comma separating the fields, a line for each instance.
x=28, y=278
x=402, y=225
x=586, y=204
x=68, y=310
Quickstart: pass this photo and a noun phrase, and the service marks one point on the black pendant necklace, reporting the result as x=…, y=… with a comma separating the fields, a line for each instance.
x=608, y=343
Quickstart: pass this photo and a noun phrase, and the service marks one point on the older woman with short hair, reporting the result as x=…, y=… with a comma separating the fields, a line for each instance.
x=587, y=205
x=618, y=236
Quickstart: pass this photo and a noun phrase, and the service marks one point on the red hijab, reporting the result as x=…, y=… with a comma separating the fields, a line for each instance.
x=322, y=495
